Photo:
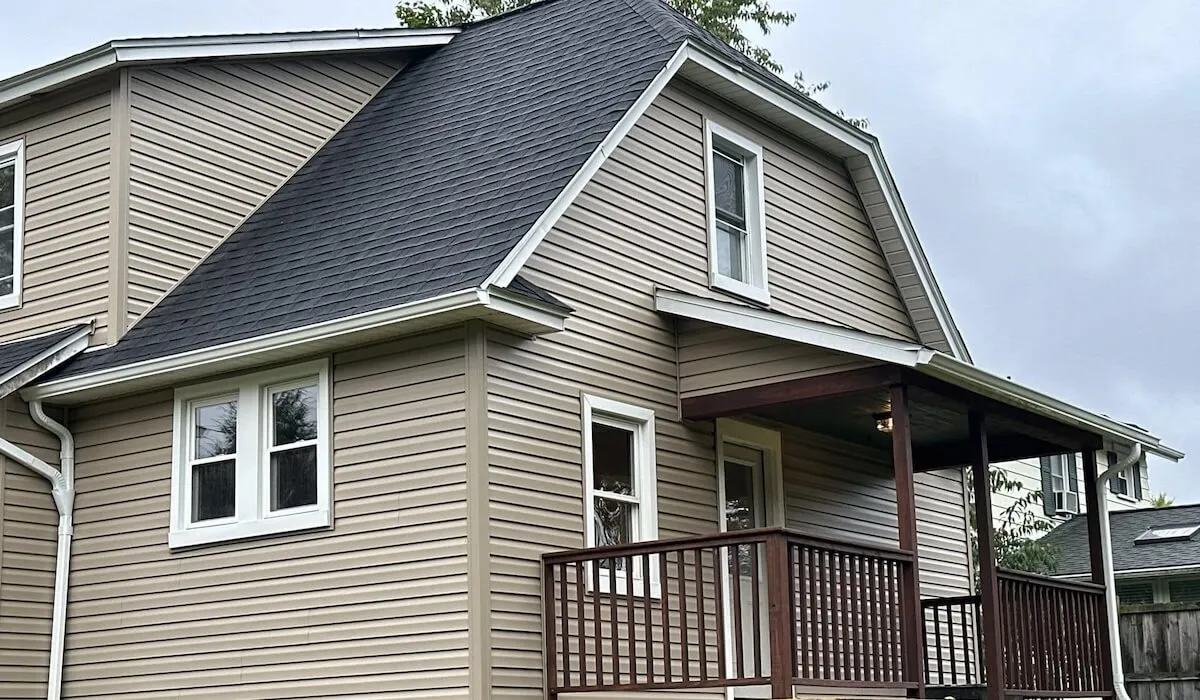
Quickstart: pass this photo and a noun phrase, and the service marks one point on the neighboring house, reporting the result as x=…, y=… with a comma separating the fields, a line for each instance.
x=1156, y=553
x=411, y=356
x=1057, y=478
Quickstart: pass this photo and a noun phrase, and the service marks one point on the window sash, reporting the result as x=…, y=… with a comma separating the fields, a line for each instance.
x=737, y=255
x=12, y=155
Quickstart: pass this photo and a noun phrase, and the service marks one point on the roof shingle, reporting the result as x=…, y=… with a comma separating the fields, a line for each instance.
x=1071, y=540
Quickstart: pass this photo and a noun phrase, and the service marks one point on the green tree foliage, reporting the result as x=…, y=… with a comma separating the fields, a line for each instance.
x=1162, y=500
x=1016, y=530
x=727, y=19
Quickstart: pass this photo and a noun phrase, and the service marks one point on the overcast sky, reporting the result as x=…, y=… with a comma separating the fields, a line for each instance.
x=1046, y=152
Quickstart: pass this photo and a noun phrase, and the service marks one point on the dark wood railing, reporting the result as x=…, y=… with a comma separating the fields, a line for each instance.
x=749, y=608
x=1052, y=631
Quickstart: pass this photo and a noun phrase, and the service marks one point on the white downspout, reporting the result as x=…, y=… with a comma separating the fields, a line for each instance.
x=62, y=488
x=1110, y=585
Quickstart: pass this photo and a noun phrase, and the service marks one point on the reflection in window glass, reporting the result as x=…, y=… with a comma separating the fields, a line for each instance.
x=294, y=448
x=215, y=429
x=7, y=221
x=213, y=490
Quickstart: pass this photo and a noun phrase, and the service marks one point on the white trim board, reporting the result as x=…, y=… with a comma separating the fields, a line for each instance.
x=502, y=308
x=140, y=51
x=789, y=112
x=905, y=354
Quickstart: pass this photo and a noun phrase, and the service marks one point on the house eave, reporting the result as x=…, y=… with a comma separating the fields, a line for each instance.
x=45, y=361
x=125, y=52
x=512, y=312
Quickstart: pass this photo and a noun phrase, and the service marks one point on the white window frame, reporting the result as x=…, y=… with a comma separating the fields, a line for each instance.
x=252, y=515
x=640, y=421
x=756, y=288
x=14, y=152
x=1122, y=478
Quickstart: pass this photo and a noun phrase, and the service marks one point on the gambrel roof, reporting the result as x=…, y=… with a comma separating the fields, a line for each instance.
x=447, y=180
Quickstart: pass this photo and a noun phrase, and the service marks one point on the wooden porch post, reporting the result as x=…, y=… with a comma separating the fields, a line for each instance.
x=1092, y=496
x=993, y=647
x=912, y=620
x=781, y=619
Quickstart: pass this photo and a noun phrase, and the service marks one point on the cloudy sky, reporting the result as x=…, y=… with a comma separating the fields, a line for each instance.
x=1046, y=152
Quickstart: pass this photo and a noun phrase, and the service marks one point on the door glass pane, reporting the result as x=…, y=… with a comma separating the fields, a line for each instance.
x=295, y=415
x=731, y=251
x=612, y=459
x=744, y=498
x=294, y=478
x=215, y=429
x=213, y=490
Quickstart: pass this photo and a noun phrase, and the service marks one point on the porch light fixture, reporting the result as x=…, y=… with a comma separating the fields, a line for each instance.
x=883, y=422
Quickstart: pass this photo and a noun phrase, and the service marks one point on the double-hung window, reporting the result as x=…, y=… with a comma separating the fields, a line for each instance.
x=620, y=489
x=251, y=456
x=12, y=216
x=737, y=245
x=1064, y=483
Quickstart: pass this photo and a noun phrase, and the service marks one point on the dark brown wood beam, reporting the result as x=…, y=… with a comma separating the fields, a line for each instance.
x=989, y=587
x=912, y=616
x=1091, y=497
x=959, y=454
x=727, y=403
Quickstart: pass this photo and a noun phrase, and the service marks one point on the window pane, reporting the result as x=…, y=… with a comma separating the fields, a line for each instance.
x=213, y=490
x=614, y=522
x=7, y=173
x=1135, y=593
x=294, y=478
x=731, y=248
x=1185, y=591
x=295, y=413
x=216, y=429
x=729, y=187
x=612, y=459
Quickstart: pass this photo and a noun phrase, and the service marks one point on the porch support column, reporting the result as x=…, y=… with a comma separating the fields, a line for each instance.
x=912, y=618
x=993, y=648
x=1092, y=496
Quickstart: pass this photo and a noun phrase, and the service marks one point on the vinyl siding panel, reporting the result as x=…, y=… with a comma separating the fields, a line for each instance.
x=375, y=605
x=67, y=180
x=28, y=537
x=209, y=142
x=824, y=262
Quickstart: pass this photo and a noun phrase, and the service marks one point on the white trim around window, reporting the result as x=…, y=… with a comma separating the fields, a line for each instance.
x=245, y=451
x=12, y=155
x=719, y=142
x=641, y=496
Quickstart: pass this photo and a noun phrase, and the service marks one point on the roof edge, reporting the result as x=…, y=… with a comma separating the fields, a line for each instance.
x=23, y=86
x=46, y=360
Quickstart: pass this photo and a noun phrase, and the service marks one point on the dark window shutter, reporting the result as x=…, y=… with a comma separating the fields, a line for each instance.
x=1112, y=483
x=1072, y=474
x=1135, y=475
x=1047, y=488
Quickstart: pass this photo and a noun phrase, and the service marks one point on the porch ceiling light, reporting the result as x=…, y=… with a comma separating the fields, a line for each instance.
x=883, y=422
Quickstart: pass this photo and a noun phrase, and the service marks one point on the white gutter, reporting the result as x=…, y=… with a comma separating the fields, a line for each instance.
x=1110, y=581
x=62, y=488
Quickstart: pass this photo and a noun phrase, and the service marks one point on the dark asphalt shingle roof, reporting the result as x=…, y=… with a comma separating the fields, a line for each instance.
x=432, y=184
x=1071, y=540
x=18, y=352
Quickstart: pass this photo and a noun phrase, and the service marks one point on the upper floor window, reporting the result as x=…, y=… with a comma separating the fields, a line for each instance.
x=737, y=243
x=1127, y=482
x=620, y=490
x=1061, y=484
x=251, y=456
x=12, y=218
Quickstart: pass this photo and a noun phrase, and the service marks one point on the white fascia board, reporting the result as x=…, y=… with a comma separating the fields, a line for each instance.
x=776, y=325
x=475, y=302
x=45, y=361
x=515, y=260
x=137, y=51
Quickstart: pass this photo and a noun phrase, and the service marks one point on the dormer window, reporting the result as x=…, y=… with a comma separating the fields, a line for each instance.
x=12, y=216
x=737, y=247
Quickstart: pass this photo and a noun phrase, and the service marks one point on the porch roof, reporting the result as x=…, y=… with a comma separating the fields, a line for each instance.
x=1035, y=420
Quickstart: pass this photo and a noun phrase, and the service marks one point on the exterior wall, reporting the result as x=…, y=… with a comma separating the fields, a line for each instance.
x=68, y=151
x=375, y=605
x=209, y=142
x=28, y=537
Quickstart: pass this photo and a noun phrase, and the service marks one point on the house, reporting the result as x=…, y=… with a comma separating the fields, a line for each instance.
x=566, y=351
x=1156, y=553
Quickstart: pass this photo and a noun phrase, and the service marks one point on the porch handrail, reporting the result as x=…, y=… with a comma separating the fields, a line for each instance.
x=1050, y=581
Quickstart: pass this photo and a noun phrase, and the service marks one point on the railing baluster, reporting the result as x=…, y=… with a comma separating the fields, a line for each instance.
x=701, y=622
x=801, y=582
x=664, y=584
x=614, y=625
x=550, y=626
x=719, y=596
x=756, y=611
x=647, y=592
x=580, y=597
x=565, y=606
x=597, y=631
x=685, y=639
x=630, y=619
x=735, y=581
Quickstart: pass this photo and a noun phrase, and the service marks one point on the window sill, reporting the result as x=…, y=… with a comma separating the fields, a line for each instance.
x=748, y=292
x=230, y=532
x=10, y=301
x=639, y=587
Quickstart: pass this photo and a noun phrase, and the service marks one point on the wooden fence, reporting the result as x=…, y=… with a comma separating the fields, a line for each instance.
x=1160, y=650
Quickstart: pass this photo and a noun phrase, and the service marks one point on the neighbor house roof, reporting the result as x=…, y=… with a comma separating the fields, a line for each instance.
x=1130, y=555
x=446, y=180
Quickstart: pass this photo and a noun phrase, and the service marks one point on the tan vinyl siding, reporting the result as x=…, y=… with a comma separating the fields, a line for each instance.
x=824, y=262
x=712, y=358
x=67, y=177
x=209, y=142
x=30, y=526
x=376, y=605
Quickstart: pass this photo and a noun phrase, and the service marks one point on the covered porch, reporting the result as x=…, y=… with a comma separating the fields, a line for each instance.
x=781, y=611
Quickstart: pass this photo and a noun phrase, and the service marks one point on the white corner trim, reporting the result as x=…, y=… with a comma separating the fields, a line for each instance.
x=515, y=260
x=15, y=151
x=476, y=301
x=45, y=361
x=135, y=51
